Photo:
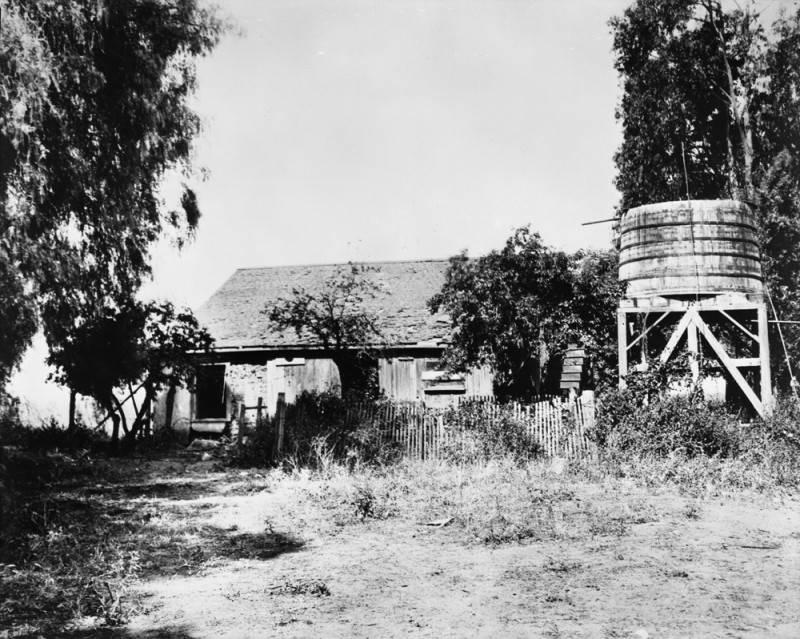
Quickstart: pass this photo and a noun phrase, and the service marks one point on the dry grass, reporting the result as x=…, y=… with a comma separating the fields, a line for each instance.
x=494, y=503
x=89, y=546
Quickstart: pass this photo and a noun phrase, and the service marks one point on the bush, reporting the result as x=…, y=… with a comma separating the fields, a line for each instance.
x=644, y=432
x=666, y=425
x=482, y=432
x=319, y=430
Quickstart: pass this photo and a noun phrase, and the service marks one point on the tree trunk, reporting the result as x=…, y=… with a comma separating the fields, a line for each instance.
x=71, y=427
x=141, y=416
x=358, y=374
x=740, y=178
x=109, y=406
x=121, y=412
x=170, y=406
x=746, y=133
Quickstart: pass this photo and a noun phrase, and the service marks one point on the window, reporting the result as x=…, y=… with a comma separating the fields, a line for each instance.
x=210, y=392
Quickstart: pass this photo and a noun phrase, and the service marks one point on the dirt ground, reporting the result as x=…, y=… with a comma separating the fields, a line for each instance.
x=716, y=567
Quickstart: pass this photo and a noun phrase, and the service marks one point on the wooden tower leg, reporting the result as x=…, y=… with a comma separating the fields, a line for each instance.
x=622, y=345
x=694, y=351
x=763, y=356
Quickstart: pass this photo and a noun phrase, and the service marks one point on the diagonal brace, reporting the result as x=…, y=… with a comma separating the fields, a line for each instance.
x=647, y=330
x=683, y=324
x=727, y=361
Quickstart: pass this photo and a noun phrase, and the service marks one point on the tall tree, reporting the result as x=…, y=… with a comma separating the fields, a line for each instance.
x=711, y=108
x=337, y=317
x=93, y=116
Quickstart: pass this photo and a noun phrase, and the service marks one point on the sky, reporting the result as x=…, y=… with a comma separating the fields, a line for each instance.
x=371, y=130
x=355, y=130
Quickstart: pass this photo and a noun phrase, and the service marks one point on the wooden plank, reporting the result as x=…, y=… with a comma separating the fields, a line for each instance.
x=578, y=368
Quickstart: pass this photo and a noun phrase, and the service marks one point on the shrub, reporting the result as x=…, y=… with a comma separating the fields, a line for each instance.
x=319, y=429
x=666, y=425
x=646, y=419
x=644, y=432
x=482, y=432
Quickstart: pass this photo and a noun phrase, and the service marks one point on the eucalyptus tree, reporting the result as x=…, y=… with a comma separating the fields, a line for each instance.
x=94, y=115
x=710, y=108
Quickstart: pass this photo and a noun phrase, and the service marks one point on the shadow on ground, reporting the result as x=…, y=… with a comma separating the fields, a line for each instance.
x=167, y=632
x=84, y=543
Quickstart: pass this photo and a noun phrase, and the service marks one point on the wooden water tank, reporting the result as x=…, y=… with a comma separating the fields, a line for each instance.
x=699, y=247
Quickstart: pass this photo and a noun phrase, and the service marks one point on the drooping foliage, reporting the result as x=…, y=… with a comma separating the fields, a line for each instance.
x=710, y=108
x=516, y=310
x=94, y=115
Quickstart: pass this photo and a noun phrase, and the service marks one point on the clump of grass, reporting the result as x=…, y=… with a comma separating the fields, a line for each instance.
x=67, y=567
x=313, y=587
x=491, y=503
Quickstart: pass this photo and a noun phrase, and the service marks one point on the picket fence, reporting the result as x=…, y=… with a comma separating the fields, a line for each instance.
x=560, y=426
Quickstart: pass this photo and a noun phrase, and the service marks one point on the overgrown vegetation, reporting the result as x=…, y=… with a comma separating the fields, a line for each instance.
x=658, y=432
x=320, y=430
x=482, y=432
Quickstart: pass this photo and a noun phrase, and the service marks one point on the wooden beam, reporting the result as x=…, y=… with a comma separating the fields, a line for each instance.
x=746, y=362
x=763, y=354
x=648, y=329
x=742, y=328
x=694, y=351
x=676, y=336
x=727, y=362
x=622, y=340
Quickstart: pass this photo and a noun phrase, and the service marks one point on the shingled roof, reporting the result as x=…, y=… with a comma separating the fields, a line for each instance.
x=234, y=314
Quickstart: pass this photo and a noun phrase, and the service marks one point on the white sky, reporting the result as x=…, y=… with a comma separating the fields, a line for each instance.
x=372, y=130
x=369, y=130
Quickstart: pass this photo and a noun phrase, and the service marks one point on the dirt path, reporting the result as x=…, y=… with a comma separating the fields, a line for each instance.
x=725, y=568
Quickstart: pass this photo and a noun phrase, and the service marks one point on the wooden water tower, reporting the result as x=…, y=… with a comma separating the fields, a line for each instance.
x=695, y=285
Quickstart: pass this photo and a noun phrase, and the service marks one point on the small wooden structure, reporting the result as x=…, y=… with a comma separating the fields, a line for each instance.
x=693, y=271
x=573, y=369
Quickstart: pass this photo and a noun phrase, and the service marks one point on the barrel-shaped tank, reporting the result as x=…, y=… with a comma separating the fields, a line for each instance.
x=698, y=247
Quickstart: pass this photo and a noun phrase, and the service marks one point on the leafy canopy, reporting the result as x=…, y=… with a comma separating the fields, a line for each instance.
x=148, y=345
x=516, y=308
x=94, y=115
x=719, y=90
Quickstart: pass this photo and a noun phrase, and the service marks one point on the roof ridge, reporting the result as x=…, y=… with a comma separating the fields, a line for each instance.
x=356, y=263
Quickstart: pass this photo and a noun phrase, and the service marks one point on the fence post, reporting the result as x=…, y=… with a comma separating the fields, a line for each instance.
x=281, y=414
x=240, y=426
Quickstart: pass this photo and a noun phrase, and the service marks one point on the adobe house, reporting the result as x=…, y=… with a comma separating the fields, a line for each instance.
x=252, y=360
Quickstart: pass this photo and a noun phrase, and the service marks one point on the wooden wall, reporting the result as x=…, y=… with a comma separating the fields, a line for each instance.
x=403, y=379
x=421, y=380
